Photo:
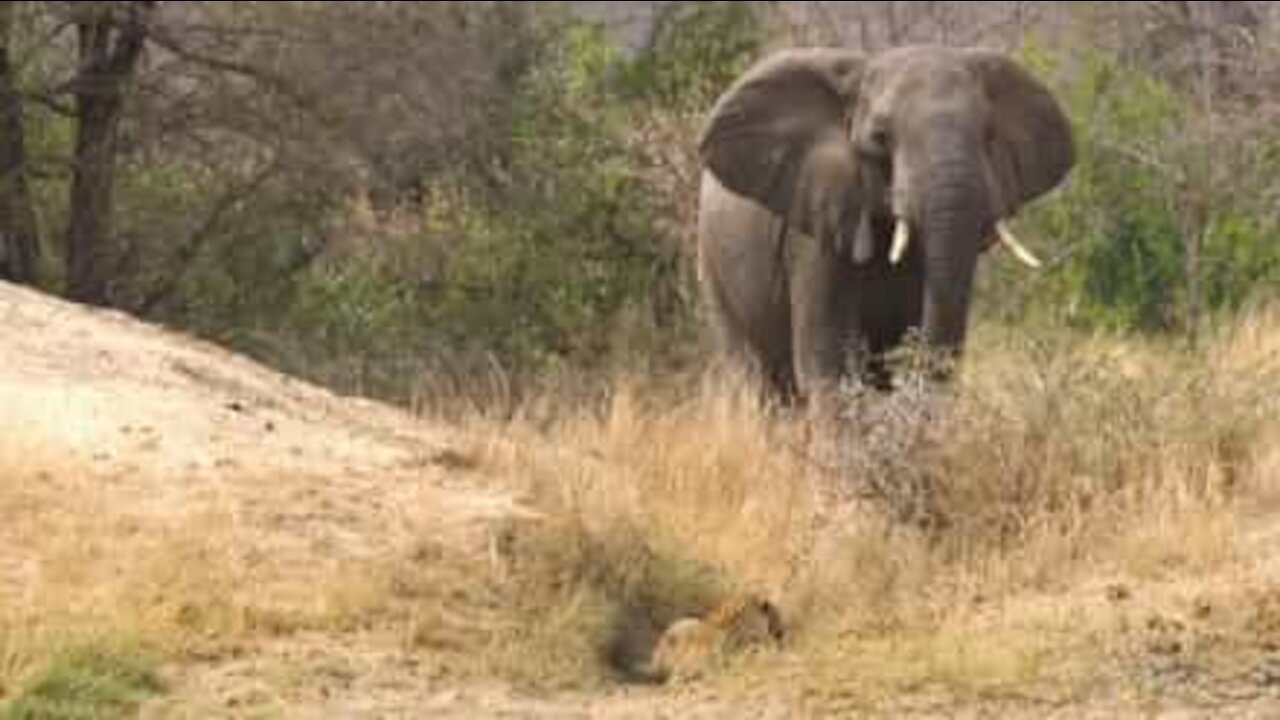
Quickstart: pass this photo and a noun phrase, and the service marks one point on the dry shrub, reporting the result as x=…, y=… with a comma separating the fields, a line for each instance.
x=1056, y=459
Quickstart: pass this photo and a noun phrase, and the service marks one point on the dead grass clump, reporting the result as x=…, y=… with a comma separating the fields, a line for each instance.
x=590, y=606
x=1056, y=458
x=932, y=539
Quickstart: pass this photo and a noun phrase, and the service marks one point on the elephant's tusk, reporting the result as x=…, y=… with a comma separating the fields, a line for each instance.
x=901, y=238
x=1007, y=238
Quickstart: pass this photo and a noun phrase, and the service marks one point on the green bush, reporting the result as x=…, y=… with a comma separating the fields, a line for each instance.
x=542, y=268
x=698, y=50
x=552, y=255
x=1116, y=226
x=563, y=265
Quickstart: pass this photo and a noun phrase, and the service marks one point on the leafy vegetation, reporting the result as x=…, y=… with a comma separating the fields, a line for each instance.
x=526, y=202
x=88, y=682
x=1120, y=223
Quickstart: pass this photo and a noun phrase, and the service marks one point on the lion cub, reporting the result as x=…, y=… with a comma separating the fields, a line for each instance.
x=689, y=645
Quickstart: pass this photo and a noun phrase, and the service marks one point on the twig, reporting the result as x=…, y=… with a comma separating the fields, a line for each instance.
x=192, y=247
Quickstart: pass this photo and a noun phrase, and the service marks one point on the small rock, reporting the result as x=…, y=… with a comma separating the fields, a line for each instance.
x=1165, y=646
x=1165, y=635
x=1202, y=609
x=451, y=459
x=1118, y=592
x=1267, y=674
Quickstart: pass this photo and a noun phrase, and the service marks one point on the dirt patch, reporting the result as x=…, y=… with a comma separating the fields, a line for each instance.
x=155, y=480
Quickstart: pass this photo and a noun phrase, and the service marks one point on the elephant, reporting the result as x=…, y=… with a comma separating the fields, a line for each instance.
x=845, y=199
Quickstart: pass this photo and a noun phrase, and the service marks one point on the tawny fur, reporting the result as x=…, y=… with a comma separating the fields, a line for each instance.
x=689, y=645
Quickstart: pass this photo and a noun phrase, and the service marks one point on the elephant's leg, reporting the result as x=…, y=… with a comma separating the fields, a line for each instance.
x=766, y=347
x=743, y=275
x=754, y=338
x=823, y=315
x=728, y=340
x=736, y=363
x=892, y=309
x=781, y=376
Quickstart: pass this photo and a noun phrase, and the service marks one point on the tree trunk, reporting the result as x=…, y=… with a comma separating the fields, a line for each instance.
x=893, y=29
x=1197, y=217
x=19, y=231
x=1193, y=230
x=111, y=38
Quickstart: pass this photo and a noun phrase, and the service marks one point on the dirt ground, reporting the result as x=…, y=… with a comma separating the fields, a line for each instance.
x=117, y=436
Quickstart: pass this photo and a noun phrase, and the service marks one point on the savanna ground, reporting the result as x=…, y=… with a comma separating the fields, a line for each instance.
x=484, y=212
x=1085, y=526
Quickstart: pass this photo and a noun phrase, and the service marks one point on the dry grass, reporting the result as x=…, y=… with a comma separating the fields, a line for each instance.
x=1003, y=539
x=924, y=540
x=94, y=569
x=89, y=560
x=204, y=588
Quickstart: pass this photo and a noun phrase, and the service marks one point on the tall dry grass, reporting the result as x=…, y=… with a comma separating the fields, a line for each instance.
x=1058, y=461
x=924, y=539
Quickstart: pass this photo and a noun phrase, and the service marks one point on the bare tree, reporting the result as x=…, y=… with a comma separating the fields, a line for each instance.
x=875, y=26
x=1212, y=53
x=110, y=40
x=311, y=101
x=19, y=231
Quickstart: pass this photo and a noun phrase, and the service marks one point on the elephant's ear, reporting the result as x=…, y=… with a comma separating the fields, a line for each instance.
x=779, y=136
x=1031, y=135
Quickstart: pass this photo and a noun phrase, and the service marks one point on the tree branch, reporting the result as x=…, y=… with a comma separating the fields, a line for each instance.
x=201, y=235
x=49, y=102
x=34, y=49
x=245, y=70
x=1173, y=173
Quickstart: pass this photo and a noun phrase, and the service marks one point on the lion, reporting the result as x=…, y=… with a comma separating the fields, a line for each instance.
x=689, y=646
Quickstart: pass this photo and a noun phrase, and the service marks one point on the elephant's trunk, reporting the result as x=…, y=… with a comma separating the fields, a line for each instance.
x=955, y=216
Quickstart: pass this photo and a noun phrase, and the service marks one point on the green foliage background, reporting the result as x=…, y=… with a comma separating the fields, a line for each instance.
x=1115, y=226
x=552, y=252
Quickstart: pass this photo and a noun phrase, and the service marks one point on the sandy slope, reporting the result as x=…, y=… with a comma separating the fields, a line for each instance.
x=137, y=461
x=117, y=437
x=169, y=426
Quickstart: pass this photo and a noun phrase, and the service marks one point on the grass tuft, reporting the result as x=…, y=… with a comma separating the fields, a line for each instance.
x=94, y=680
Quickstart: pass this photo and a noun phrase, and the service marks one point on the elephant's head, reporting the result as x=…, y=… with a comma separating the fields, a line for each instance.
x=916, y=156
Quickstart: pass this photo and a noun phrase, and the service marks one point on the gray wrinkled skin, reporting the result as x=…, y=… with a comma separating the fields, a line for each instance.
x=810, y=160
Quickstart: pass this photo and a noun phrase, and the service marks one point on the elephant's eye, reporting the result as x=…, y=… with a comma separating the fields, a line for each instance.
x=876, y=143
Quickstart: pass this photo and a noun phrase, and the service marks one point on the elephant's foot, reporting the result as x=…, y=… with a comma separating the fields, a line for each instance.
x=877, y=375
